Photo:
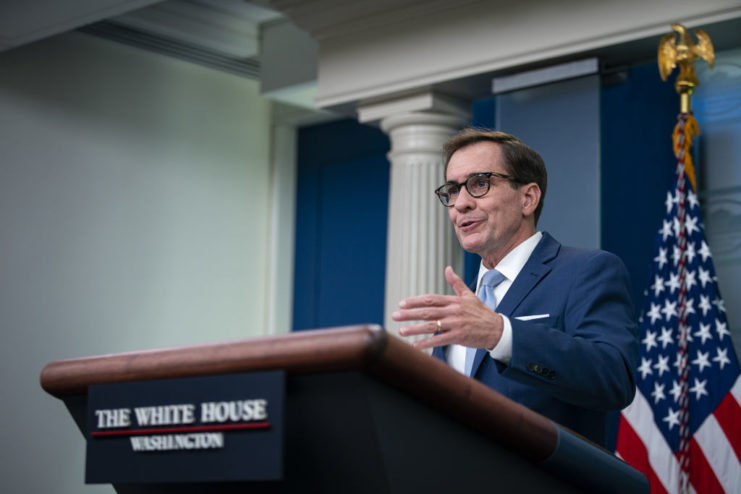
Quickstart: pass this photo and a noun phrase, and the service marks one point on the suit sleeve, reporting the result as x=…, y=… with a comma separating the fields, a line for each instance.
x=586, y=353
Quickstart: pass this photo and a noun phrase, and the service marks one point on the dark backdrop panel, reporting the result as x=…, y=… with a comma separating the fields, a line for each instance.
x=341, y=217
x=637, y=119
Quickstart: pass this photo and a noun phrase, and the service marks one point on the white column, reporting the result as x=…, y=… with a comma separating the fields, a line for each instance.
x=421, y=241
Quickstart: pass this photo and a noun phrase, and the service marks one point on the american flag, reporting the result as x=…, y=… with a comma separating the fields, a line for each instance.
x=649, y=430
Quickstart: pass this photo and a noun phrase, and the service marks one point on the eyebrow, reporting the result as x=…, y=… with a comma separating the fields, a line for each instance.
x=469, y=176
x=490, y=173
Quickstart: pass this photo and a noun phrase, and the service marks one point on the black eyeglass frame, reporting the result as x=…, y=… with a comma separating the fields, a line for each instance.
x=473, y=176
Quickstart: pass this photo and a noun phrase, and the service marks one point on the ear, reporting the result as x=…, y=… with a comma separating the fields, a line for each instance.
x=530, y=197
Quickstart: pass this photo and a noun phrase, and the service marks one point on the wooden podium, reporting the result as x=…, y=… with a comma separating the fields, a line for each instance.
x=366, y=412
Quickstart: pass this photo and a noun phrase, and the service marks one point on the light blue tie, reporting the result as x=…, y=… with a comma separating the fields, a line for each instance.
x=486, y=293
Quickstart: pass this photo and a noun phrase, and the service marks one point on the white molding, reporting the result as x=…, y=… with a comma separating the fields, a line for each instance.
x=288, y=63
x=421, y=102
x=282, y=242
x=441, y=46
x=198, y=25
x=326, y=19
x=51, y=17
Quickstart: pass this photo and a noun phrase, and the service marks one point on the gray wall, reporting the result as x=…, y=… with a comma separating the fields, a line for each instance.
x=134, y=213
x=561, y=121
x=717, y=107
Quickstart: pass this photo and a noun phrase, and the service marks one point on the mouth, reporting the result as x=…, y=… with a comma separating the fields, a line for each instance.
x=467, y=224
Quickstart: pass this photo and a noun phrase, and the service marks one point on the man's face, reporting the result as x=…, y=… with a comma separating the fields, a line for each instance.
x=495, y=223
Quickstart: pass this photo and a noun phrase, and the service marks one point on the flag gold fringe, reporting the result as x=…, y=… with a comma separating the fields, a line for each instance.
x=691, y=129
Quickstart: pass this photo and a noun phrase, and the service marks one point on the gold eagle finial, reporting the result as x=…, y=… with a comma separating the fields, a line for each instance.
x=684, y=52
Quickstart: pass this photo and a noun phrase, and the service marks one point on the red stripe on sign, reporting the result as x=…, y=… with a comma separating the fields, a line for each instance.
x=702, y=477
x=727, y=414
x=632, y=450
x=170, y=430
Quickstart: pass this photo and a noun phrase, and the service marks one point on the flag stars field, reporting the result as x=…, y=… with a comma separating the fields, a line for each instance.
x=704, y=304
x=701, y=361
x=670, y=309
x=672, y=418
x=699, y=388
x=666, y=338
x=658, y=392
x=721, y=357
x=662, y=364
x=650, y=340
x=704, y=333
x=645, y=368
x=722, y=329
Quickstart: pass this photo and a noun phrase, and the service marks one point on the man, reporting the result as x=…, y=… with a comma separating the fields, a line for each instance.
x=562, y=340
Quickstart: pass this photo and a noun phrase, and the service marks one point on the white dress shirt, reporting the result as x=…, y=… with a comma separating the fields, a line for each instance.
x=510, y=267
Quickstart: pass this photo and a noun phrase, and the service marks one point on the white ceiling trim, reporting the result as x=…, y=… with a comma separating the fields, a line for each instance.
x=25, y=22
x=198, y=25
x=377, y=65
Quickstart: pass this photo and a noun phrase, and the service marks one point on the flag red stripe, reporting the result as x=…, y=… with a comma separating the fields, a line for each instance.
x=727, y=414
x=632, y=450
x=702, y=477
x=630, y=447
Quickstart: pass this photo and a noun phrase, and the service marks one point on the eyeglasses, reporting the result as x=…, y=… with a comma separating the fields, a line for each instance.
x=477, y=185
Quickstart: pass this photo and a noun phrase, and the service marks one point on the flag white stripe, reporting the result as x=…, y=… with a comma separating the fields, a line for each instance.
x=641, y=418
x=719, y=454
x=736, y=390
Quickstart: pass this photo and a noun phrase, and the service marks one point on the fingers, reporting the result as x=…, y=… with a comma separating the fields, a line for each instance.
x=430, y=342
x=434, y=335
x=438, y=338
x=429, y=327
x=434, y=300
x=430, y=301
x=422, y=314
x=427, y=310
x=455, y=281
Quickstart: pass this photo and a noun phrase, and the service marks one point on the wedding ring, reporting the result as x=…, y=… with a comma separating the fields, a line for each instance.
x=439, y=325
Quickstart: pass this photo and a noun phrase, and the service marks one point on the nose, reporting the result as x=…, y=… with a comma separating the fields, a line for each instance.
x=464, y=201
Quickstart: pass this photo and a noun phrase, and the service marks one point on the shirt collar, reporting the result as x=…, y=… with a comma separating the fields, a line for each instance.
x=511, y=265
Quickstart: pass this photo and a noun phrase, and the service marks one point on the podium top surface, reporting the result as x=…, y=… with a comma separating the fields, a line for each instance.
x=365, y=348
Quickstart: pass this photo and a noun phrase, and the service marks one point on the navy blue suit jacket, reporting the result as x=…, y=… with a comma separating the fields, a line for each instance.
x=576, y=364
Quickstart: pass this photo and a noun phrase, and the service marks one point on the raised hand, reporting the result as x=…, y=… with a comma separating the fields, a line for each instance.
x=450, y=319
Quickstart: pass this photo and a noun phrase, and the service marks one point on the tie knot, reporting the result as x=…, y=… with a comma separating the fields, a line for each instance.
x=492, y=278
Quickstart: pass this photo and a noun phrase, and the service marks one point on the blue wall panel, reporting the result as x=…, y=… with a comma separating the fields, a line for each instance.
x=638, y=113
x=637, y=118
x=341, y=217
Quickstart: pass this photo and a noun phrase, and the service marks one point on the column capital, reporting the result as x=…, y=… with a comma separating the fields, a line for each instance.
x=403, y=120
x=419, y=137
x=426, y=104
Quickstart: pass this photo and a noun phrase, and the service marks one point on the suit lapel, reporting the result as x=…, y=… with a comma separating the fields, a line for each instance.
x=534, y=270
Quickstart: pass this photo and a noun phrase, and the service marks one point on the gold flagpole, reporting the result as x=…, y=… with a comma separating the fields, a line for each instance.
x=680, y=49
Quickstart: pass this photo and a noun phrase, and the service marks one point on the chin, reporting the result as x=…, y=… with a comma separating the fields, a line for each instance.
x=470, y=246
